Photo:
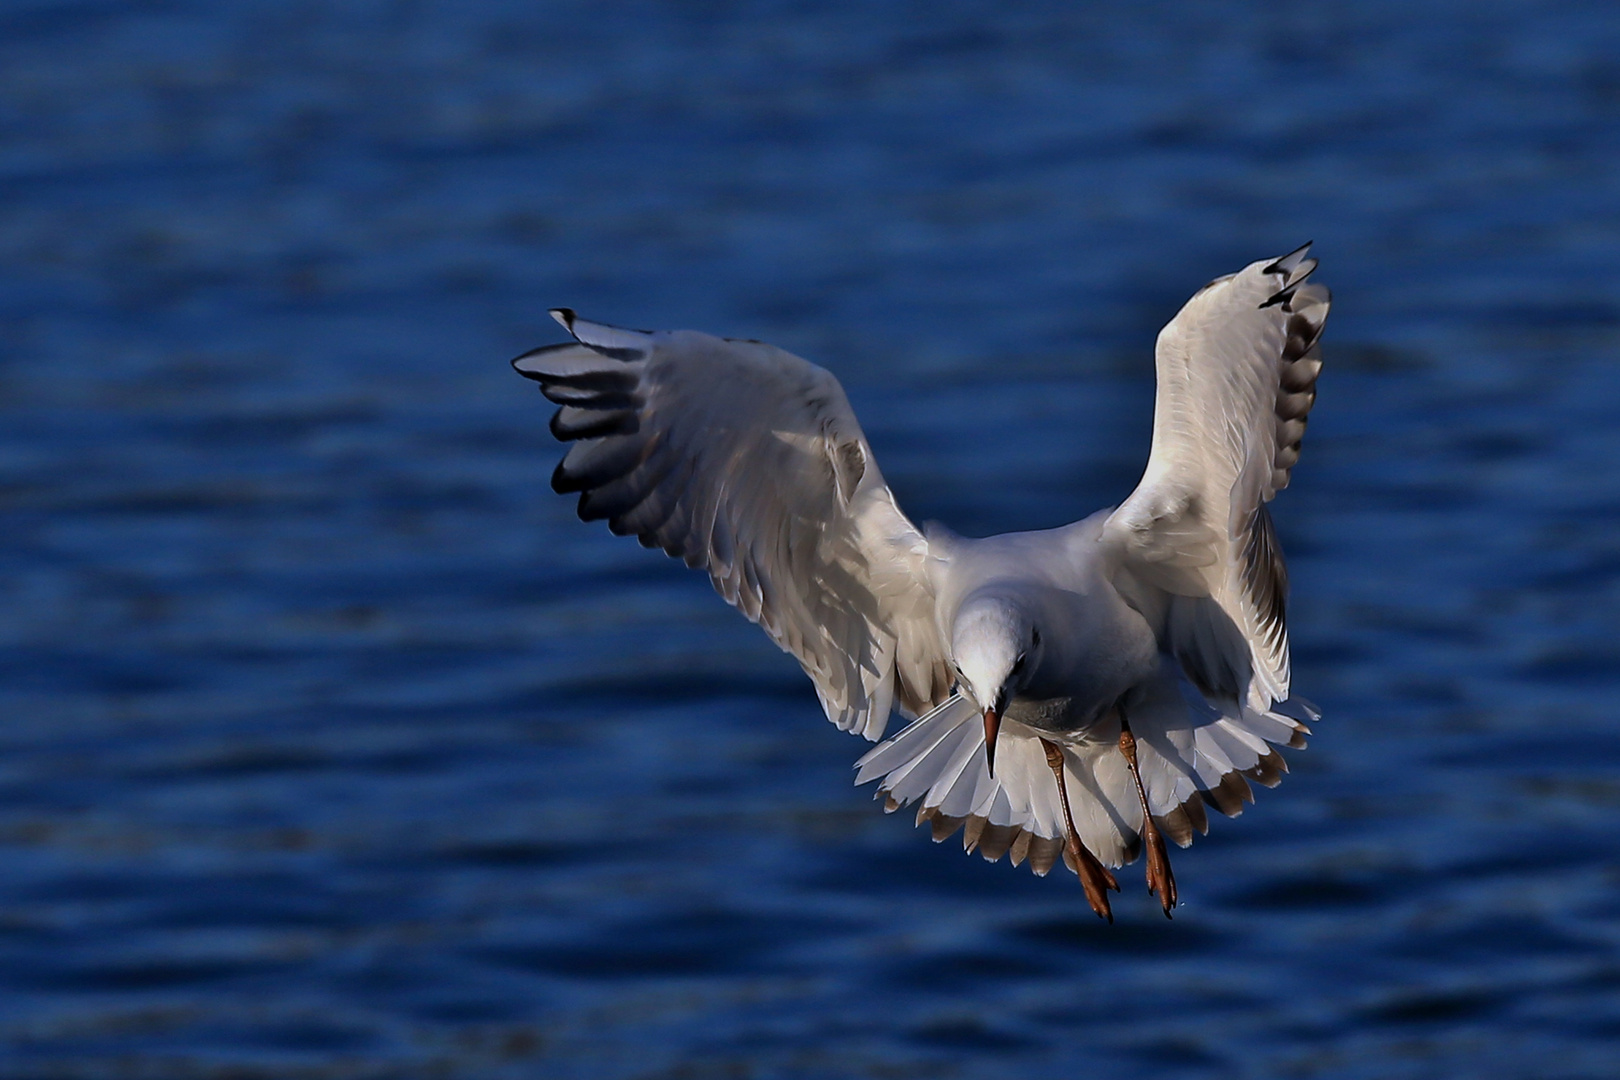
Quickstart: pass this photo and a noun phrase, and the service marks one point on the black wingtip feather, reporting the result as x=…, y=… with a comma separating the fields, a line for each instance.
x=1286, y=263
x=594, y=424
x=1296, y=268
x=562, y=393
x=625, y=354
x=617, y=382
x=563, y=482
x=541, y=351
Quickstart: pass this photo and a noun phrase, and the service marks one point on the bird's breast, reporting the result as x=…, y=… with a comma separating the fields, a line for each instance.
x=1086, y=673
x=1051, y=714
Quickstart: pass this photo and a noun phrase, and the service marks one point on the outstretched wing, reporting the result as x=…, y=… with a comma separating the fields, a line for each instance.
x=1237, y=374
x=745, y=460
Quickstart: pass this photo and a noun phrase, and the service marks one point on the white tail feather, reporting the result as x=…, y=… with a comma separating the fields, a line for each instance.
x=1186, y=746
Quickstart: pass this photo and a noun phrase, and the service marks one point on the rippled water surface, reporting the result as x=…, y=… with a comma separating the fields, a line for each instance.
x=334, y=746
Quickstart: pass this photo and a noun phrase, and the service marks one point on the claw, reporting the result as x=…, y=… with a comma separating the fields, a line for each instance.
x=1160, y=879
x=1095, y=878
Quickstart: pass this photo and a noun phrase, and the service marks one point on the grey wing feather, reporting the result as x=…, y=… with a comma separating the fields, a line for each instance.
x=747, y=461
x=1237, y=372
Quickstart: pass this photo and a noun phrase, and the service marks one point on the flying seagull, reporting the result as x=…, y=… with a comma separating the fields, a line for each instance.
x=1081, y=691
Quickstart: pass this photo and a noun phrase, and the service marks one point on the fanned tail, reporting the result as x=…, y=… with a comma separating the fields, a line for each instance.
x=1192, y=753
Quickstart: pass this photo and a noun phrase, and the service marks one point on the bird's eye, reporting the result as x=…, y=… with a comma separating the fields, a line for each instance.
x=1018, y=665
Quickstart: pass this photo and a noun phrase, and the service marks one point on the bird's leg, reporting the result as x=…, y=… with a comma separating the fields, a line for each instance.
x=1159, y=878
x=1095, y=878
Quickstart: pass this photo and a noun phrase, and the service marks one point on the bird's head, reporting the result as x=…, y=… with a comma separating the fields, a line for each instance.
x=995, y=646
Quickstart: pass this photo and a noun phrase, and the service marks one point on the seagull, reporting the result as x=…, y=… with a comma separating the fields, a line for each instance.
x=1084, y=691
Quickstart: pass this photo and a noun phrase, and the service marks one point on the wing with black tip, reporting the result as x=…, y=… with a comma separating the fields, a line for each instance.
x=747, y=461
x=1237, y=372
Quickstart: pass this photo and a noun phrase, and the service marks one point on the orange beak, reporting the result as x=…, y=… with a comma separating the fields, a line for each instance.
x=992, y=726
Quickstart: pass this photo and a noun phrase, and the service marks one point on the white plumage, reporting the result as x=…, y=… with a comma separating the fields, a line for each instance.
x=1165, y=618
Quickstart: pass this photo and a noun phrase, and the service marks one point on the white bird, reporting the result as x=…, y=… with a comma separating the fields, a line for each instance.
x=1084, y=690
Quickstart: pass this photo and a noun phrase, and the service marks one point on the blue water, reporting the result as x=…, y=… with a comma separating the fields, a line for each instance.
x=334, y=746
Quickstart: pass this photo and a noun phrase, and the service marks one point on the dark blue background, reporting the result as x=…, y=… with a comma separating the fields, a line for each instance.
x=333, y=746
